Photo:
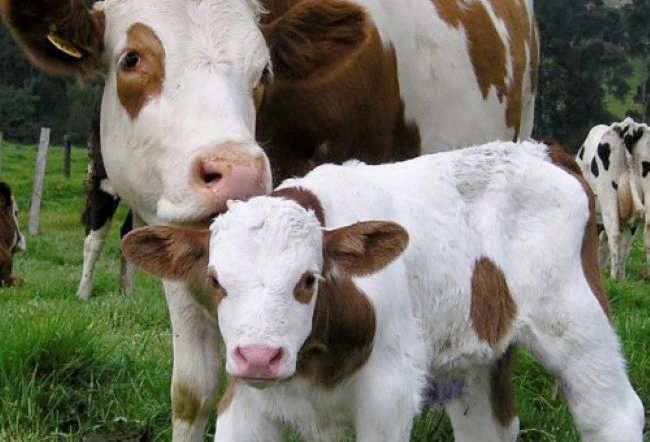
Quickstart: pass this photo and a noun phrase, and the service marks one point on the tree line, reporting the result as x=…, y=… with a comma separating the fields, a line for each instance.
x=588, y=50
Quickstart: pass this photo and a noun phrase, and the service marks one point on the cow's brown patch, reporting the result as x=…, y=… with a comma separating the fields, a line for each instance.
x=9, y=232
x=305, y=198
x=501, y=394
x=136, y=84
x=69, y=21
x=343, y=330
x=185, y=404
x=589, y=253
x=488, y=52
x=227, y=397
x=347, y=108
x=492, y=310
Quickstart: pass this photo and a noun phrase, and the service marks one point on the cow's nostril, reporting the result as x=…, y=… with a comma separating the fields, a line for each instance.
x=277, y=357
x=209, y=177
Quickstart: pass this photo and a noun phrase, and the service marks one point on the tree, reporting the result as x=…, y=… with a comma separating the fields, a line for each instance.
x=638, y=39
x=583, y=58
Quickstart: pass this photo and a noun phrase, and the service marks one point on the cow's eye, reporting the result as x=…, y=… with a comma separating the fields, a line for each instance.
x=309, y=281
x=129, y=60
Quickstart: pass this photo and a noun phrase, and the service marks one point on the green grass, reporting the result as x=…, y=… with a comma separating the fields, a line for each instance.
x=70, y=369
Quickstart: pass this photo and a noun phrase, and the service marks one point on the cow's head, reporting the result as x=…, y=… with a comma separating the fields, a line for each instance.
x=266, y=266
x=181, y=82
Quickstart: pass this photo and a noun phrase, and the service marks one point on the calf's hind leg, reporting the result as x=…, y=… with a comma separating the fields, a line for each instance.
x=485, y=411
x=581, y=348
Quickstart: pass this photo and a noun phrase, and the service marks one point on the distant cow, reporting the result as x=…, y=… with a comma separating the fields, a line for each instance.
x=608, y=167
x=211, y=100
x=329, y=318
x=11, y=238
x=100, y=207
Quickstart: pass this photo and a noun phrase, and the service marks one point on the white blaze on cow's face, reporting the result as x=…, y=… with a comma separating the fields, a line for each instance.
x=178, y=116
x=267, y=256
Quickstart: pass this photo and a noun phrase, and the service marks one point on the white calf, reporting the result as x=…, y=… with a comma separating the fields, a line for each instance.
x=607, y=166
x=332, y=314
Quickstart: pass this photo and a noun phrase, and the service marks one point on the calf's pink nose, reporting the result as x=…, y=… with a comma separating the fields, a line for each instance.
x=258, y=361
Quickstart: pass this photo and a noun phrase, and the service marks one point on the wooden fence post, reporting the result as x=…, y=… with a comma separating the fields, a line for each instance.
x=66, y=155
x=39, y=174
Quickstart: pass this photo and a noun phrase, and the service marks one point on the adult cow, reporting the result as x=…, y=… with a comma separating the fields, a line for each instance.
x=100, y=207
x=374, y=79
x=11, y=238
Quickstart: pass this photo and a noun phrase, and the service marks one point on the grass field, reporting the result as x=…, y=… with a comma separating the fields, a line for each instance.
x=71, y=369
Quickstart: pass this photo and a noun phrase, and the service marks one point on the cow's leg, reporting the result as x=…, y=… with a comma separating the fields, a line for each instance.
x=612, y=229
x=581, y=348
x=485, y=411
x=386, y=412
x=97, y=217
x=93, y=245
x=127, y=270
x=240, y=420
x=603, y=248
x=646, y=243
x=625, y=244
x=197, y=364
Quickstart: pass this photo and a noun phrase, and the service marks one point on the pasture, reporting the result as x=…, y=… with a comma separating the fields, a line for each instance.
x=71, y=369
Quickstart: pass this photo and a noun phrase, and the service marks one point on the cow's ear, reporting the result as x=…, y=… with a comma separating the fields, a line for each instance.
x=313, y=36
x=365, y=247
x=60, y=37
x=168, y=252
x=5, y=196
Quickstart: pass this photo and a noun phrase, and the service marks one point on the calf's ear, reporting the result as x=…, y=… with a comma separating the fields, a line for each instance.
x=365, y=247
x=314, y=36
x=168, y=252
x=60, y=37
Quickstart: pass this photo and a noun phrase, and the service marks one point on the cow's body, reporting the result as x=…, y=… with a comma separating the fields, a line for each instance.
x=11, y=238
x=608, y=167
x=639, y=141
x=500, y=243
x=331, y=80
x=100, y=207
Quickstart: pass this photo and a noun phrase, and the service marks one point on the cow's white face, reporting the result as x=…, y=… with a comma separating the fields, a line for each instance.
x=178, y=115
x=266, y=255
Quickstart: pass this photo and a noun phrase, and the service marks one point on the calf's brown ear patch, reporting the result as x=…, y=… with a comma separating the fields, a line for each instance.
x=492, y=310
x=314, y=35
x=168, y=252
x=365, y=247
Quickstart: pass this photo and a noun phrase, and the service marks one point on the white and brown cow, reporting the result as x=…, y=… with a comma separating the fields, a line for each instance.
x=11, y=238
x=341, y=292
x=606, y=162
x=377, y=80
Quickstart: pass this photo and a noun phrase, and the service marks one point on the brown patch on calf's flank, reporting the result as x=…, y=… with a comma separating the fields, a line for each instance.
x=501, y=393
x=185, y=404
x=487, y=50
x=352, y=106
x=589, y=253
x=343, y=331
x=227, y=397
x=70, y=21
x=135, y=86
x=492, y=310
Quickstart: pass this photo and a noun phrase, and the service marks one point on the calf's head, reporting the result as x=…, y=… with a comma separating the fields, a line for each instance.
x=181, y=82
x=264, y=270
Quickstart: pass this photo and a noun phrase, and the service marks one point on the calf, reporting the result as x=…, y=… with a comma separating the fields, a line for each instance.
x=331, y=312
x=11, y=239
x=607, y=166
